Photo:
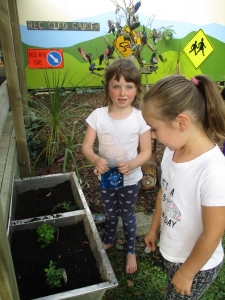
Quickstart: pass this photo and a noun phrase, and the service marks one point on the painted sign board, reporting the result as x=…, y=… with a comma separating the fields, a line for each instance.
x=56, y=25
x=65, y=24
x=198, y=48
x=45, y=58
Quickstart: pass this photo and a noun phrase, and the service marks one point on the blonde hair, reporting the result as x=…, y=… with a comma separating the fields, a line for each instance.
x=123, y=67
x=175, y=94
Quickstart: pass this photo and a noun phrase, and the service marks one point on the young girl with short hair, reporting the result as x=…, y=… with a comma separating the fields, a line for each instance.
x=120, y=129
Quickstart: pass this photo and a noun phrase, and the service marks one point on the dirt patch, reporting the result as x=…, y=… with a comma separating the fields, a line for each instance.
x=71, y=252
x=45, y=201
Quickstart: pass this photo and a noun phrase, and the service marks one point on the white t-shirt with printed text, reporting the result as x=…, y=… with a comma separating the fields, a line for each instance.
x=185, y=188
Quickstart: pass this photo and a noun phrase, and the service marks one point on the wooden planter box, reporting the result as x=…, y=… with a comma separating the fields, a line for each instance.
x=21, y=186
x=107, y=276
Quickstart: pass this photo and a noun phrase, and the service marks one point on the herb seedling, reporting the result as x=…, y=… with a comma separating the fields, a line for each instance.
x=53, y=275
x=67, y=205
x=46, y=234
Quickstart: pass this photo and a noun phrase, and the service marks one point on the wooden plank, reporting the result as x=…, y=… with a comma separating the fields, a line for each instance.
x=11, y=171
x=4, y=105
x=4, y=153
x=11, y=69
x=8, y=283
x=7, y=128
x=4, y=145
x=13, y=12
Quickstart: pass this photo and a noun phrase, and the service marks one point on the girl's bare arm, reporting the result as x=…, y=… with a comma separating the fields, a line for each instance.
x=213, y=219
x=152, y=235
x=88, y=152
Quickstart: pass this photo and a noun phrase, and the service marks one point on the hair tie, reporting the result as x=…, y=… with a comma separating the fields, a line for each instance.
x=195, y=80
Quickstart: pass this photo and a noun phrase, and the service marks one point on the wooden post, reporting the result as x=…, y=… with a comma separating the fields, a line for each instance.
x=11, y=70
x=19, y=55
x=9, y=289
x=146, y=81
x=146, y=71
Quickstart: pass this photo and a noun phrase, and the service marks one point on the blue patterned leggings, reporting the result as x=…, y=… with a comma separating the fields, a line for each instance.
x=120, y=202
x=202, y=280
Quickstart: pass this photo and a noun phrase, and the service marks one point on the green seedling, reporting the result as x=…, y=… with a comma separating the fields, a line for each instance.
x=46, y=234
x=67, y=205
x=53, y=275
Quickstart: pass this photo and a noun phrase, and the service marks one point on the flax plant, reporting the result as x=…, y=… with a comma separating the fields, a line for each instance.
x=54, y=116
x=72, y=143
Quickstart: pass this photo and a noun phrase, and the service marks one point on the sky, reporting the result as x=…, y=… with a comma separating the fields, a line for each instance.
x=190, y=11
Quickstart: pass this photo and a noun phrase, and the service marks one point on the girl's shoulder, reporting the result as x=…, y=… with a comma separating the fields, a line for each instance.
x=210, y=160
x=137, y=117
x=100, y=111
x=137, y=112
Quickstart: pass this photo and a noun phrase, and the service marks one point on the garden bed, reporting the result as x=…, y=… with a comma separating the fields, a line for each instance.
x=45, y=197
x=77, y=248
x=45, y=201
x=71, y=252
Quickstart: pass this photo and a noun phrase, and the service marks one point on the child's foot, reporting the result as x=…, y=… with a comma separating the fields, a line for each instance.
x=106, y=246
x=131, y=263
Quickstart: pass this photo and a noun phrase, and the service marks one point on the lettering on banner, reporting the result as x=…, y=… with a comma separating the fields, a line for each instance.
x=61, y=25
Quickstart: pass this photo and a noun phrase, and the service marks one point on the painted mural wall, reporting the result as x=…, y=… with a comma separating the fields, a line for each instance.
x=71, y=35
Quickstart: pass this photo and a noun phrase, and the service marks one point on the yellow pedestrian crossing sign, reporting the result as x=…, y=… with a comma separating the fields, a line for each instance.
x=198, y=48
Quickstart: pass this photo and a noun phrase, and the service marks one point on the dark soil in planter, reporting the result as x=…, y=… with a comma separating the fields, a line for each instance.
x=72, y=252
x=41, y=202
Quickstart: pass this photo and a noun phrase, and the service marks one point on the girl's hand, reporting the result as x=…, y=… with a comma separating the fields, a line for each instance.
x=150, y=239
x=182, y=283
x=101, y=166
x=124, y=168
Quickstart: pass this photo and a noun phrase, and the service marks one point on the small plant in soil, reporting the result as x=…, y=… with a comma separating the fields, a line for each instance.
x=46, y=234
x=34, y=145
x=53, y=275
x=67, y=205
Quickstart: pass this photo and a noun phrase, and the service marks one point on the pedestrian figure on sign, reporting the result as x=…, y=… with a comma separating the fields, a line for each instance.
x=194, y=47
x=201, y=47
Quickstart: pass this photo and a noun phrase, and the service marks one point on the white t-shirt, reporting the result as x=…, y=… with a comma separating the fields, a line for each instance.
x=186, y=187
x=119, y=139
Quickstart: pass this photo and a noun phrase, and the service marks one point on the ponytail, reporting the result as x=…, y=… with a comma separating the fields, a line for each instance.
x=175, y=94
x=215, y=108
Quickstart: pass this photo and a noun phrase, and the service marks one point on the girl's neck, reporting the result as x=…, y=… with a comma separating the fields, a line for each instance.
x=193, y=149
x=120, y=113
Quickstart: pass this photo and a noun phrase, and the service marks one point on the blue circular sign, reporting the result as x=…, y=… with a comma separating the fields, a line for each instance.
x=54, y=58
